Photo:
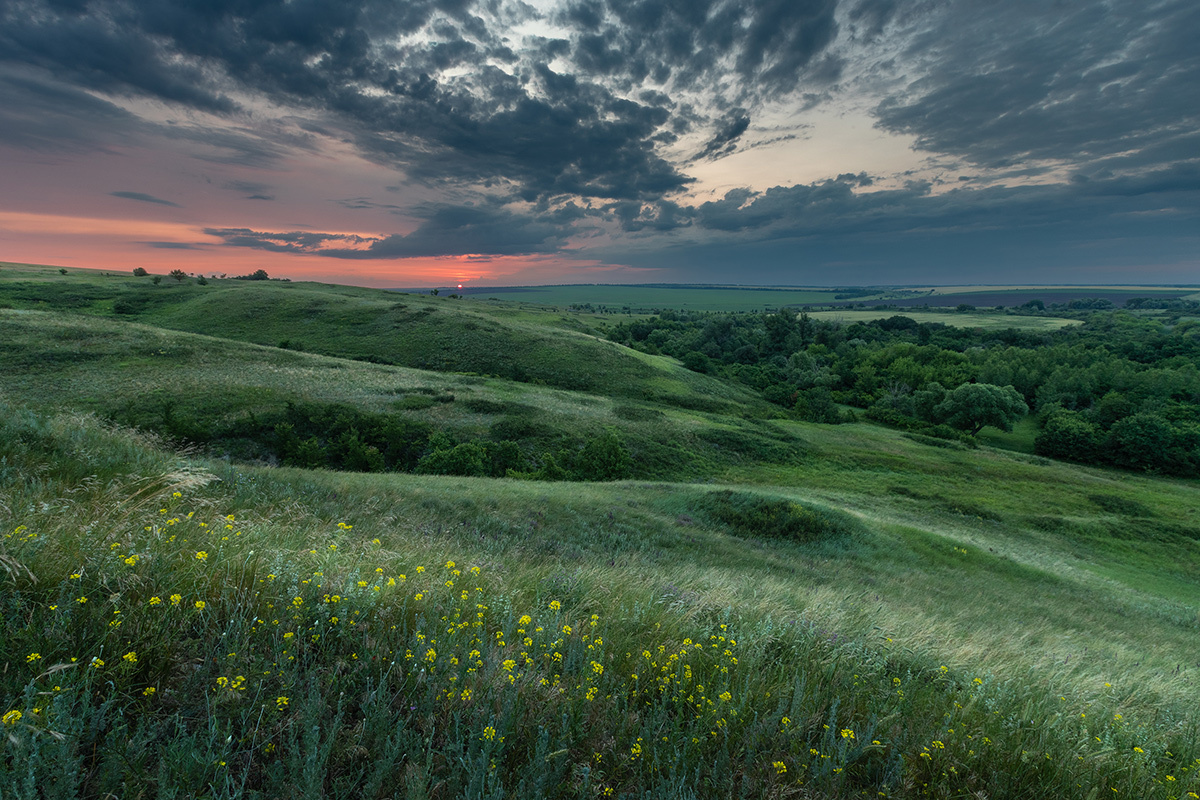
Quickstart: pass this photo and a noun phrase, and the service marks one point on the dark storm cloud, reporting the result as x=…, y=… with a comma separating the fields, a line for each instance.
x=528, y=127
x=832, y=208
x=105, y=48
x=567, y=137
x=142, y=197
x=1078, y=82
x=869, y=17
x=42, y=114
x=446, y=230
x=771, y=46
x=662, y=215
x=724, y=141
x=461, y=230
x=827, y=234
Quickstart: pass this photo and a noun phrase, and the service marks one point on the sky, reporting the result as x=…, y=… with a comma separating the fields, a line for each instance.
x=500, y=142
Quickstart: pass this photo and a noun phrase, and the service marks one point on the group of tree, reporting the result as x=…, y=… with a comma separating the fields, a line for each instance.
x=1118, y=389
x=341, y=437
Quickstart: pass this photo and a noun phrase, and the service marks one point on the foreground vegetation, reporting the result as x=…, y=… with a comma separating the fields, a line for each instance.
x=763, y=607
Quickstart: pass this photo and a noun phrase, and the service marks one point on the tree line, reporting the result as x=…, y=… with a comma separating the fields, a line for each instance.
x=1118, y=389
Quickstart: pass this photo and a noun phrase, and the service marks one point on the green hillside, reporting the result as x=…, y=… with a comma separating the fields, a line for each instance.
x=756, y=607
x=446, y=334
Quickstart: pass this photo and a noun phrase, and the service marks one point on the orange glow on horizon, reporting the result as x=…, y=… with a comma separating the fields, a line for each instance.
x=120, y=245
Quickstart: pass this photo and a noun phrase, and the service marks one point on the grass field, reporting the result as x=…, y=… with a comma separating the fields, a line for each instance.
x=1097, y=288
x=647, y=298
x=770, y=608
x=970, y=319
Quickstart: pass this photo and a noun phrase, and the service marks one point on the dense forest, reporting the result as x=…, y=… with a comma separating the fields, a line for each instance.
x=1118, y=389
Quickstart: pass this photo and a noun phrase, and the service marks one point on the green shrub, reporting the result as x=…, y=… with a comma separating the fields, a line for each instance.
x=1067, y=435
x=468, y=458
x=749, y=514
x=604, y=458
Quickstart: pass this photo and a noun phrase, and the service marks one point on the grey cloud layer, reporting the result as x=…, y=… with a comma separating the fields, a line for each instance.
x=768, y=45
x=1099, y=85
x=446, y=230
x=500, y=117
x=1107, y=90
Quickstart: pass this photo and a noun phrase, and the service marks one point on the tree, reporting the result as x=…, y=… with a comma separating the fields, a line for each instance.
x=1067, y=434
x=140, y=272
x=817, y=405
x=1141, y=441
x=696, y=361
x=973, y=406
x=604, y=458
x=178, y=274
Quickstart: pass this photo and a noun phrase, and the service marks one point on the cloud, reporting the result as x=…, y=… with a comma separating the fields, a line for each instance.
x=869, y=17
x=39, y=113
x=447, y=230
x=286, y=242
x=142, y=197
x=529, y=143
x=174, y=245
x=724, y=141
x=251, y=190
x=358, y=203
x=911, y=234
x=1110, y=83
x=430, y=86
x=773, y=47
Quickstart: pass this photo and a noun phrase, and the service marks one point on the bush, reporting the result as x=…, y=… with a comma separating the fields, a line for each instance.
x=140, y=272
x=1142, y=441
x=1067, y=435
x=468, y=458
x=604, y=458
x=749, y=514
x=697, y=361
x=817, y=405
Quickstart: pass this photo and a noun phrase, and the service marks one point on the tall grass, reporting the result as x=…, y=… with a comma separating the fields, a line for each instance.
x=166, y=634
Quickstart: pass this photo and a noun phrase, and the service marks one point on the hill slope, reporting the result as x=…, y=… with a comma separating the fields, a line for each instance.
x=438, y=333
x=788, y=609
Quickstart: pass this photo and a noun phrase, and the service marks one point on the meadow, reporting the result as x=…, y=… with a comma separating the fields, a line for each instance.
x=765, y=607
x=969, y=319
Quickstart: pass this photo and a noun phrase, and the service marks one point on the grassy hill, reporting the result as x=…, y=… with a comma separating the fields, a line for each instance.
x=524, y=344
x=768, y=608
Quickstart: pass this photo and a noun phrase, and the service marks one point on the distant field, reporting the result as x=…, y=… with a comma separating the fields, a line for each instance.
x=1092, y=289
x=988, y=296
x=968, y=320
x=646, y=298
